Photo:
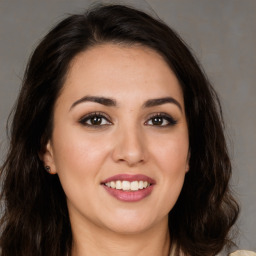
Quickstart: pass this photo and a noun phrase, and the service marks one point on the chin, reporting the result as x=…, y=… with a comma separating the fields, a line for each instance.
x=131, y=225
x=130, y=229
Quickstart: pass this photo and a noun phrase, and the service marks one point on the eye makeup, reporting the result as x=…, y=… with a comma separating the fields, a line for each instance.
x=161, y=120
x=95, y=120
x=101, y=119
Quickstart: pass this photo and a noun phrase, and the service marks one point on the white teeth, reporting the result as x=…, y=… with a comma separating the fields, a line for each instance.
x=118, y=184
x=112, y=184
x=134, y=185
x=127, y=185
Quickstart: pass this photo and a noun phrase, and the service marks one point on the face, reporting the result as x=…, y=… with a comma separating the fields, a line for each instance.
x=120, y=139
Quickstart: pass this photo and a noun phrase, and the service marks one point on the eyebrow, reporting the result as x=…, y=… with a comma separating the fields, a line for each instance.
x=161, y=101
x=101, y=100
x=112, y=103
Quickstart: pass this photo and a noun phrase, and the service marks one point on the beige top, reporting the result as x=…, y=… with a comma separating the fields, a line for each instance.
x=243, y=253
x=236, y=253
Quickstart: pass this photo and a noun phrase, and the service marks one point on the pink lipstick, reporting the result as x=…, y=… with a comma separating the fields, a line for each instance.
x=129, y=188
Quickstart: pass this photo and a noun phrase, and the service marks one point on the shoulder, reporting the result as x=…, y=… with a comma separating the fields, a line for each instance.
x=243, y=253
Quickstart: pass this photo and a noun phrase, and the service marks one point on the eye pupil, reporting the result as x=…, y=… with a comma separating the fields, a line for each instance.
x=96, y=120
x=157, y=120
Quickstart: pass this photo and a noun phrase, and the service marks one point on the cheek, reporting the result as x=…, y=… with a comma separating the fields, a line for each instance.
x=171, y=153
x=171, y=157
x=172, y=162
x=76, y=147
x=78, y=158
x=78, y=161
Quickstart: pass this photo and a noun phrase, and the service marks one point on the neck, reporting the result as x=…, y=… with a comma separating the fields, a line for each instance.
x=101, y=242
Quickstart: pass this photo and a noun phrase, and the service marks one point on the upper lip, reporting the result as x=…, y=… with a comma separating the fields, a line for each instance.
x=129, y=177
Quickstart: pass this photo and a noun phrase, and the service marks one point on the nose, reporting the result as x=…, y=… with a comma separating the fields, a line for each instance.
x=130, y=146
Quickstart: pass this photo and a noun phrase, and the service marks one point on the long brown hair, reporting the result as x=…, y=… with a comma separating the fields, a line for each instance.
x=35, y=219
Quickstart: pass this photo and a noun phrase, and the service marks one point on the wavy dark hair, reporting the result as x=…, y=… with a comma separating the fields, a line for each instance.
x=35, y=218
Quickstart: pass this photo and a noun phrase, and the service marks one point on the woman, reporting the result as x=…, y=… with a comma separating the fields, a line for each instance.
x=117, y=145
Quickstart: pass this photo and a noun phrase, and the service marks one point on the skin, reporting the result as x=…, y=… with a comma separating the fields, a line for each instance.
x=126, y=142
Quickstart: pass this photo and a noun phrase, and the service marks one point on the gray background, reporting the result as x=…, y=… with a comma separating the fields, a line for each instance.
x=222, y=34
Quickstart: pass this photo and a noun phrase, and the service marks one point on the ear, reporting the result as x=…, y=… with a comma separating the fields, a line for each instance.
x=47, y=157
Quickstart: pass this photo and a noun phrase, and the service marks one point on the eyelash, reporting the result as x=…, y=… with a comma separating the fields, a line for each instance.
x=171, y=121
x=90, y=116
x=165, y=117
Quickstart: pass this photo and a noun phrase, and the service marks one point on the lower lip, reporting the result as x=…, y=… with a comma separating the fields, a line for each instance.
x=129, y=196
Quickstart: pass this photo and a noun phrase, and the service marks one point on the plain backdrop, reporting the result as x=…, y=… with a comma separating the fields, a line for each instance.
x=222, y=34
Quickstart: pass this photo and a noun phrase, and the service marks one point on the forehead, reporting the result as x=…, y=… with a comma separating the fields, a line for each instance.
x=118, y=70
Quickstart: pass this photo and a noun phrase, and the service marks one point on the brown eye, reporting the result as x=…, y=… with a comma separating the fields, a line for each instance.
x=161, y=120
x=157, y=120
x=95, y=120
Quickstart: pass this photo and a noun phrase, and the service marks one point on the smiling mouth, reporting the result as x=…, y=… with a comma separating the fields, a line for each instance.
x=126, y=185
x=129, y=188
